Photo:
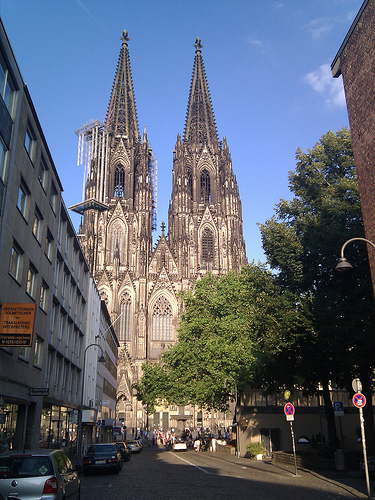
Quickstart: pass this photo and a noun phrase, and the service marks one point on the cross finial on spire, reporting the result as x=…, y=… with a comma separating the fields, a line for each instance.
x=162, y=227
x=198, y=44
x=124, y=37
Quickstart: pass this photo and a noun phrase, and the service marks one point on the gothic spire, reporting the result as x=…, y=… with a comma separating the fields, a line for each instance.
x=122, y=115
x=200, y=126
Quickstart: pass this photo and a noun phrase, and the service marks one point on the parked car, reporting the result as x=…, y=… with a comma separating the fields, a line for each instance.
x=36, y=474
x=124, y=450
x=103, y=456
x=134, y=446
x=179, y=445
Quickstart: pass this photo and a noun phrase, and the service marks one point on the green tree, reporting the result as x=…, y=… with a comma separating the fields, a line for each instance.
x=302, y=241
x=232, y=327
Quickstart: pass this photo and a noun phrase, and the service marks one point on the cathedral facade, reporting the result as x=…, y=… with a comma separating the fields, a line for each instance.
x=139, y=283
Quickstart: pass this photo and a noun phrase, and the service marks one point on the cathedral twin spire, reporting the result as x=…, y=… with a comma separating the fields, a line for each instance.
x=122, y=115
x=200, y=126
x=121, y=120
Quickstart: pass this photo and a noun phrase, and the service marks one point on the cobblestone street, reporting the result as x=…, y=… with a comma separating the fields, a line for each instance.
x=158, y=474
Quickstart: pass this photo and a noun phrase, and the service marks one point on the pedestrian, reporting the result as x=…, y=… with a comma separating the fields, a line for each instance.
x=197, y=445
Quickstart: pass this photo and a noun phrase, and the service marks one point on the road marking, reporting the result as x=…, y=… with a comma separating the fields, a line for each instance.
x=190, y=463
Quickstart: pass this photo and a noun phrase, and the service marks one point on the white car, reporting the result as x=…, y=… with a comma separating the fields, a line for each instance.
x=179, y=446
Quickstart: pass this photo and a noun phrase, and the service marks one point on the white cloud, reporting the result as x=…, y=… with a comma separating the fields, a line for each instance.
x=254, y=41
x=319, y=28
x=331, y=88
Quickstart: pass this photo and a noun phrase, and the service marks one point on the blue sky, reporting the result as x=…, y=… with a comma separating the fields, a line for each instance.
x=267, y=64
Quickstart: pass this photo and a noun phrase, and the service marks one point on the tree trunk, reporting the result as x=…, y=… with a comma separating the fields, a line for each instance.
x=333, y=440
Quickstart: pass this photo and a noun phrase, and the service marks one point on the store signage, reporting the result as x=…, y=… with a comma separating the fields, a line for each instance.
x=38, y=391
x=16, y=324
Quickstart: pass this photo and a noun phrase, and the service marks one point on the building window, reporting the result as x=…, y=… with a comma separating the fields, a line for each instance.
x=125, y=321
x=48, y=247
x=162, y=320
x=207, y=247
x=43, y=296
x=3, y=158
x=31, y=281
x=38, y=352
x=30, y=141
x=16, y=257
x=119, y=181
x=23, y=199
x=23, y=352
x=7, y=87
x=53, y=198
x=43, y=173
x=205, y=187
x=37, y=224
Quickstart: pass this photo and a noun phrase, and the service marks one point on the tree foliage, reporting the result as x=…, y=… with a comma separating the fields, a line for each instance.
x=302, y=242
x=231, y=328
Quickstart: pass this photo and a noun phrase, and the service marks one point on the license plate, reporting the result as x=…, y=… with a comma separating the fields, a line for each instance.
x=100, y=461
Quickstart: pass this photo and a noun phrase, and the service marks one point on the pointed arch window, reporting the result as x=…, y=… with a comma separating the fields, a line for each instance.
x=207, y=247
x=119, y=183
x=116, y=240
x=162, y=320
x=205, y=187
x=126, y=317
x=189, y=178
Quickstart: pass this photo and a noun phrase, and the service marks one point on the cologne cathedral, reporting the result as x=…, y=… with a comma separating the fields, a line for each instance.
x=139, y=283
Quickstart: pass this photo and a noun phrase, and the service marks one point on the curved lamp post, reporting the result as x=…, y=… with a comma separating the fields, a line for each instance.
x=235, y=412
x=343, y=265
x=80, y=423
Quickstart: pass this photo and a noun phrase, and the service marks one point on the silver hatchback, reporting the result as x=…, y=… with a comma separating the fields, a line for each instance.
x=38, y=474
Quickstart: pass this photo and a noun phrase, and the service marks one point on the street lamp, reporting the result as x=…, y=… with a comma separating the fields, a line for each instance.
x=235, y=412
x=80, y=423
x=343, y=265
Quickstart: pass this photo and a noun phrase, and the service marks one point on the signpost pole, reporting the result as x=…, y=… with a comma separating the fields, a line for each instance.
x=294, y=448
x=359, y=401
x=362, y=421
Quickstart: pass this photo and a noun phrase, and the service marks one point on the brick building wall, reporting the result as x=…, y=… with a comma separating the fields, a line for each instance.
x=355, y=61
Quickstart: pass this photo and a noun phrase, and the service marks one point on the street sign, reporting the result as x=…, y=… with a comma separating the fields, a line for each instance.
x=287, y=395
x=359, y=400
x=289, y=409
x=338, y=407
x=357, y=385
x=289, y=412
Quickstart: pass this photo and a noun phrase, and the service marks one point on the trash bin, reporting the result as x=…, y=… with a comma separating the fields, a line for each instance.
x=339, y=459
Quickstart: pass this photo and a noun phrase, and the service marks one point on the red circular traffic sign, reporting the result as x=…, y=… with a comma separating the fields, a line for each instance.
x=359, y=400
x=289, y=409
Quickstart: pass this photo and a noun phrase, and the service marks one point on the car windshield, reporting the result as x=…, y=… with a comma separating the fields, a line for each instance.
x=96, y=449
x=24, y=466
x=120, y=446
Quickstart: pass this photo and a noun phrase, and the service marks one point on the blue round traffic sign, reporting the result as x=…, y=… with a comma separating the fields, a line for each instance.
x=359, y=400
x=289, y=409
